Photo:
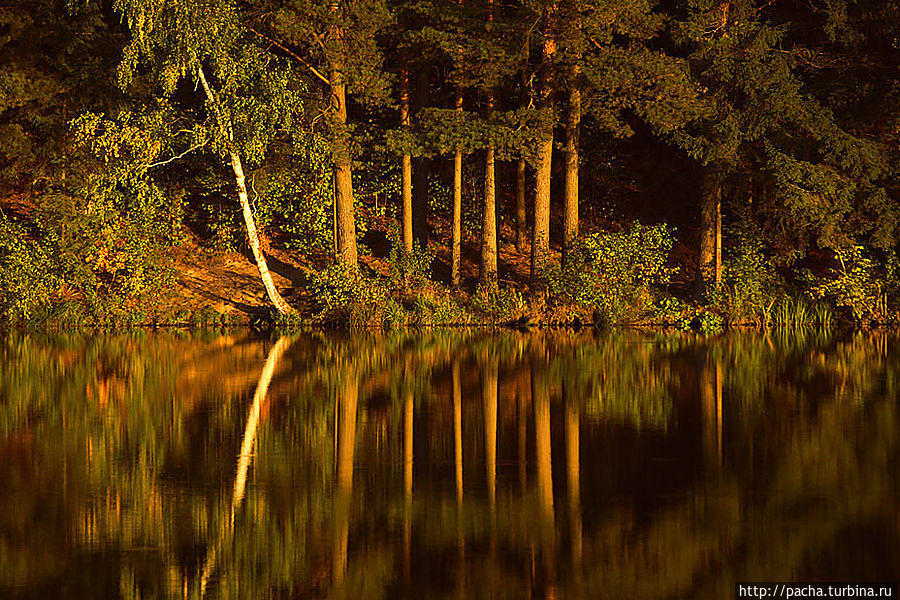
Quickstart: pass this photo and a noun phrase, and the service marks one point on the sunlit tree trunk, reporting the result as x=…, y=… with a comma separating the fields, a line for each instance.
x=488, y=275
x=422, y=166
x=406, y=166
x=540, y=238
x=709, y=264
x=456, y=230
x=343, y=175
x=224, y=125
x=570, y=207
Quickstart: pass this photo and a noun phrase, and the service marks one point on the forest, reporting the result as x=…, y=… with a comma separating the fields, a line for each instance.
x=681, y=163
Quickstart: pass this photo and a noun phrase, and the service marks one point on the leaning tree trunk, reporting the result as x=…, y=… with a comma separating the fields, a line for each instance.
x=570, y=207
x=406, y=166
x=456, y=235
x=540, y=239
x=710, y=222
x=237, y=167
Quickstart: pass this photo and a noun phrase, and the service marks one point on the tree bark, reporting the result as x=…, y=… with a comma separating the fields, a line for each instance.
x=237, y=167
x=456, y=235
x=422, y=167
x=342, y=170
x=570, y=207
x=406, y=166
x=488, y=275
x=521, y=215
x=710, y=207
x=540, y=238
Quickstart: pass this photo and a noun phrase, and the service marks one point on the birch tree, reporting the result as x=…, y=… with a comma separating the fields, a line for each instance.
x=247, y=98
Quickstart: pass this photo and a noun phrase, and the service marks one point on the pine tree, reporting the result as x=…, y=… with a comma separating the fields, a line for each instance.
x=762, y=117
x=341, y=38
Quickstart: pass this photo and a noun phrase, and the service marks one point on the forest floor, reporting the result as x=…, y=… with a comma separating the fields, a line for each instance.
x=229, y=283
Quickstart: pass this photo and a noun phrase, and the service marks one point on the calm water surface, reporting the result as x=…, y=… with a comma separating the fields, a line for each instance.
x=430, y=465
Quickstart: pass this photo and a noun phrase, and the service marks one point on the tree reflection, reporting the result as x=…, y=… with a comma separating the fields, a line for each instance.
x=687, y=463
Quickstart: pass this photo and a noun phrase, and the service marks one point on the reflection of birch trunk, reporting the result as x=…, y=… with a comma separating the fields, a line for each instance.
x=347, y=399
x=407, y=480
x=244, y=458
x=573, y=466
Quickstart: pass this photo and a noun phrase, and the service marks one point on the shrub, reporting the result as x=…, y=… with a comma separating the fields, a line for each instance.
x=854, y=285
x=408, y=270
x=26, y=276
x=498, y=305
x=345, y=296
x=749, y=282
x=614, y=273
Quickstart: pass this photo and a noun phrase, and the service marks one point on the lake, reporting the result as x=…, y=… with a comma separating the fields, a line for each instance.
x=445, y=464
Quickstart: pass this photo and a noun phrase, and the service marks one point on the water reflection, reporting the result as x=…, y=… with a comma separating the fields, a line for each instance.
x=445, y=464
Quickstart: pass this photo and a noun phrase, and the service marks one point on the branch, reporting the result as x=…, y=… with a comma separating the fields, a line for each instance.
x=182, y=155
x=293, y=55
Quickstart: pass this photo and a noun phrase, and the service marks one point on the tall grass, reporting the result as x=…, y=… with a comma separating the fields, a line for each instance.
x=793, y=313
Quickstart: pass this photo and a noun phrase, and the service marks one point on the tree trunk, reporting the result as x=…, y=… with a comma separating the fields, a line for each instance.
x=710, y=205
x=422, y=167
x=456, y=235
x=521, y=216
x=540, y=238
x=406, y=166
x=488, y=275
x=249, y=222
x=343, y=180
x=570, y=208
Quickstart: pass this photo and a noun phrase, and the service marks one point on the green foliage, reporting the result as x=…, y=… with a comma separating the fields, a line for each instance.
x=673, y=312
x=854, y=285
x=408, y=271
x=711, y=322
x=437, y=310
x=749, y=282
x=614, y=273
x=27, y=280
x=344, y=296
x=498, y=305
